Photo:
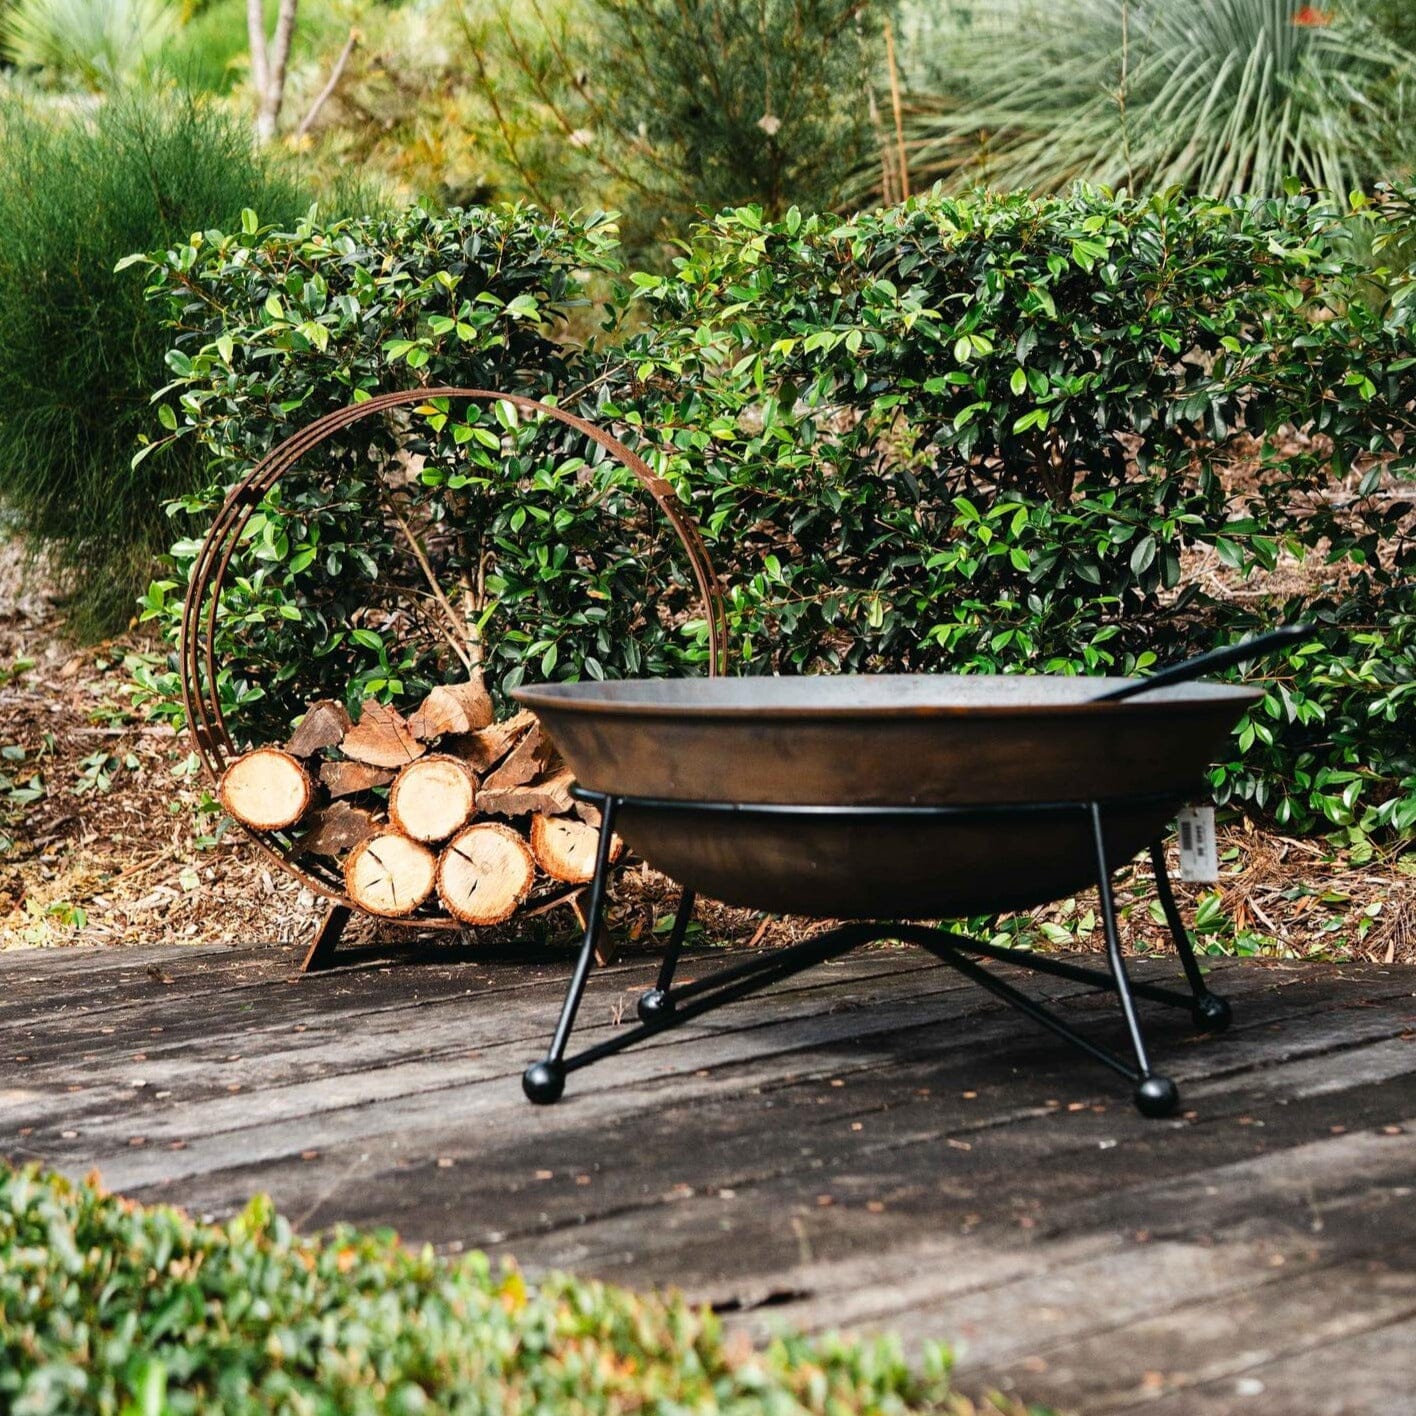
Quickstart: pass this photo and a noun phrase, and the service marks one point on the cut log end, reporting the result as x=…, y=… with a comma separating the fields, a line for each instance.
x=432, y=798
x=484, y=874
x=390, y=875
x=266, y=789
x=565, y=848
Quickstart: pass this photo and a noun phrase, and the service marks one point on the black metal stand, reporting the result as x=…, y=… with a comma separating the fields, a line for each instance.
x=665, y=1006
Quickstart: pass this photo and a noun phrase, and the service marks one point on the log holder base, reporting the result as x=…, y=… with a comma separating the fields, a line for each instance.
x=665, y=1006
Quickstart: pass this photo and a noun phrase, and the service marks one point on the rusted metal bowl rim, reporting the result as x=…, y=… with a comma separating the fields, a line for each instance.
x=714, y=698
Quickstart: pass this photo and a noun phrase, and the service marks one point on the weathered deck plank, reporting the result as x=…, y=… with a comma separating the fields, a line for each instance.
x=874, y=1144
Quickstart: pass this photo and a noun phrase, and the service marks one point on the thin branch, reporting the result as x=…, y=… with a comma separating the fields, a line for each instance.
x=331, y=84
x=895, y=104
x=458, y=637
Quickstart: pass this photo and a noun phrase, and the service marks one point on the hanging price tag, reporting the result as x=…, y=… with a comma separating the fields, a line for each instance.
x=1199, y=855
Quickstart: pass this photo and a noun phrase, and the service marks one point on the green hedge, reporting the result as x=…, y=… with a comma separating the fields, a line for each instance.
x=108, y=1306
x=979, y=434
x=278, y=327
x=956, y=435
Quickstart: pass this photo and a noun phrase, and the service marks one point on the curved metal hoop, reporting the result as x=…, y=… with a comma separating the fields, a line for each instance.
x=201, y=699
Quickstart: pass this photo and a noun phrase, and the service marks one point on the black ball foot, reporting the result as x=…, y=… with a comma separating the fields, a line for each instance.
x=1157, y=1096
x=1211, y=1013
x=655, y=1006
x=543, y=1082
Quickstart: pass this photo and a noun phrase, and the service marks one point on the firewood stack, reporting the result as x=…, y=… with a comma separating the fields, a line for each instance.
x=446, y=801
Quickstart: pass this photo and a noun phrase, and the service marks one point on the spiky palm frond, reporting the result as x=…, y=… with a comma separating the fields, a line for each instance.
x=1212, y=95
x=94, y=43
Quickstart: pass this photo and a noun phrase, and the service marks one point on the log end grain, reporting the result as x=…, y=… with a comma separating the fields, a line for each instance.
x=390, y=875
x=565, y=848
x=484, y=874
x=432, y=798
x=267, y=789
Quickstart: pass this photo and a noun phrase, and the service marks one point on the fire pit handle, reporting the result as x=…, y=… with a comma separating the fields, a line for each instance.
x=1211, y=662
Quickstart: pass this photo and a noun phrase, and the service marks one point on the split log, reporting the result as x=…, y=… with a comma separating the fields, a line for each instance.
x=266, y=789
x=452, y=708
x=528, y=759
x=433, y=797
x=484, y=749
x=381, y=738
x=323, y=725
x=389, y=875
x=546, y=796
x=565, y=848
x=342, y=779
x=334, y=829
x=484, y=874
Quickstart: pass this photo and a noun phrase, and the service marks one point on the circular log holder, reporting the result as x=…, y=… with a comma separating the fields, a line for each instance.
x=666, y=1006
x=201, y=699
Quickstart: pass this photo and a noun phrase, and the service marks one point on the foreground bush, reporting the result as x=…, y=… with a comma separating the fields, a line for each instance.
x=81, y=354
x=109, y=1306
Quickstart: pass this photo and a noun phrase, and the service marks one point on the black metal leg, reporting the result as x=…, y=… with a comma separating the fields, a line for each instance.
x=657, y=1002
x=544, y=1081
x=1210, y=1011
x=1155, y=1095
x=666, y=1006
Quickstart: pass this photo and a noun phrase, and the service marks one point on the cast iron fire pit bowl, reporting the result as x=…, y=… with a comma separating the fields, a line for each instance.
x=889, y=740
x=885, y=801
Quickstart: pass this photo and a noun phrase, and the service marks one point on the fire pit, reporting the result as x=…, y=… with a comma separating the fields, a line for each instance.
x=881, y=800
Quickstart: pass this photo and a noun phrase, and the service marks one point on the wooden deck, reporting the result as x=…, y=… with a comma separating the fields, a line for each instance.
x=875, y=1144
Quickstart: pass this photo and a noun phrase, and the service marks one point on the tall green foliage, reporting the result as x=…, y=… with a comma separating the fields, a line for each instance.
x=1217, y=96
x=517, y=520
x=81, y=352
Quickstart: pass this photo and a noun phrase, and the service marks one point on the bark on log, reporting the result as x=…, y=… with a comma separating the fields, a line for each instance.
x=267, y=789
x=323, y=725
x=452, y=708
x=334, y=829
x=528, y=759
x=546, y=796
x=433, y=797
x=565, y=848
x=381, y=737
x=342, y=779
x=484, y=874
x=389, y=875
x=484, y=749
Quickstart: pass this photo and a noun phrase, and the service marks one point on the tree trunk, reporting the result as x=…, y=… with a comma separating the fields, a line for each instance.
x=269, y=62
